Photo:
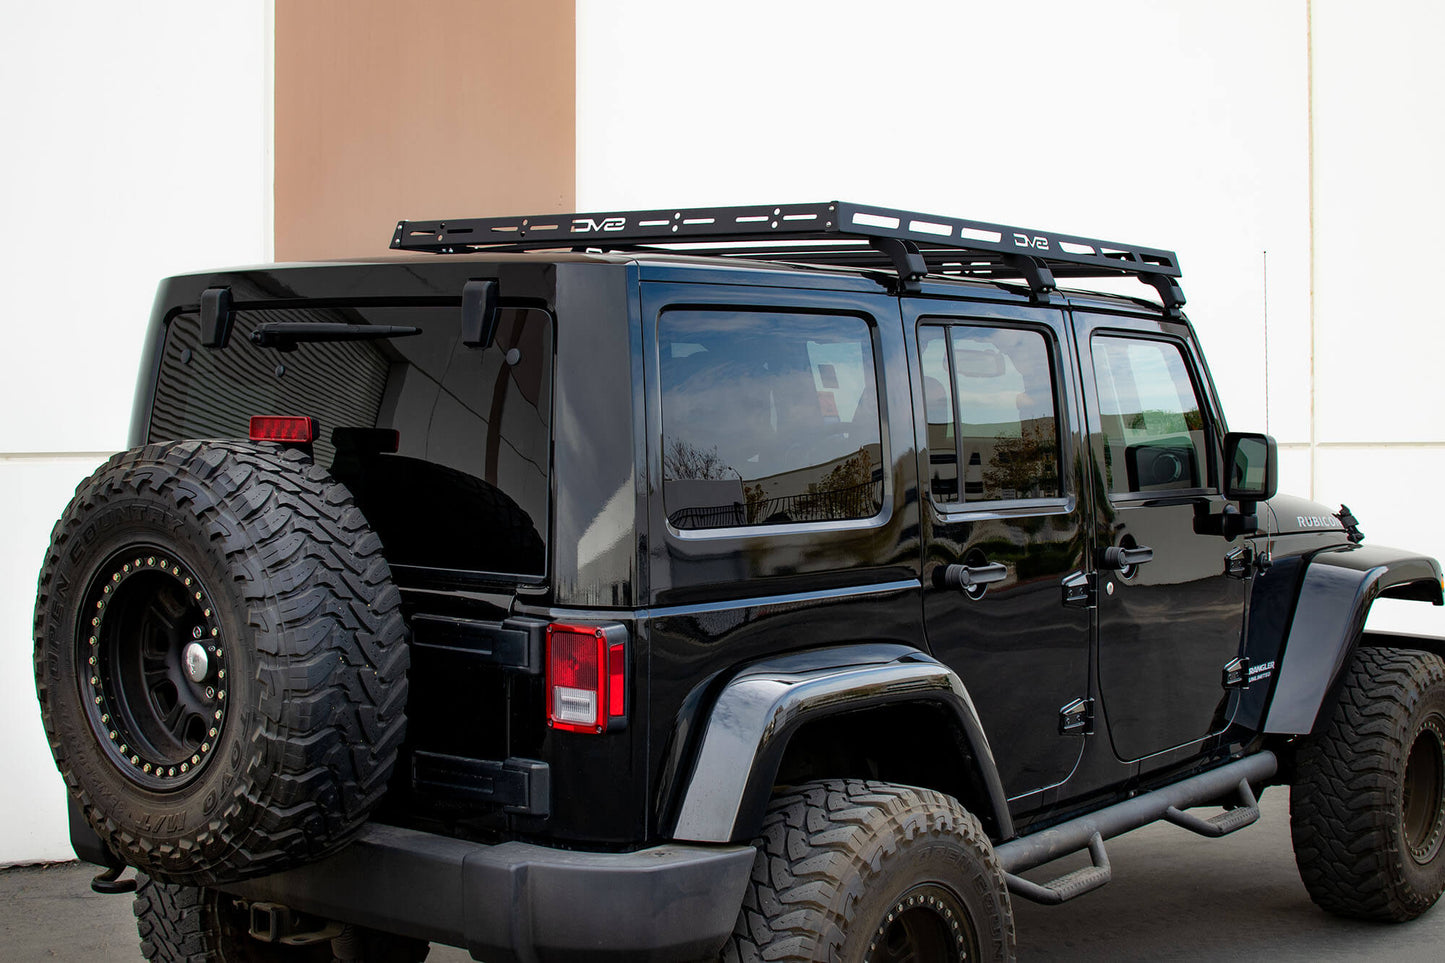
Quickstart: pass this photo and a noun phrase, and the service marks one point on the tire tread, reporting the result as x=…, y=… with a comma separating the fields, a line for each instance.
x=331, y=649
x=820, y=848
x=1345, y=804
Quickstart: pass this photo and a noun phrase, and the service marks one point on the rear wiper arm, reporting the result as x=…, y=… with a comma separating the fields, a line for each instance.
x=286, y=335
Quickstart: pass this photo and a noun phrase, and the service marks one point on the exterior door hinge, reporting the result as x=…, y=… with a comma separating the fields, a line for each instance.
x=1244, y=562
x=1236, y=674
x=1080, y=590
x=1077, y=718
x=1239, y=562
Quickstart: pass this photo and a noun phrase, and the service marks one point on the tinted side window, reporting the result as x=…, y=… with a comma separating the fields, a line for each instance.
x=768, y=419
x=1152, y=429
x=938, y=410
x=997, y=384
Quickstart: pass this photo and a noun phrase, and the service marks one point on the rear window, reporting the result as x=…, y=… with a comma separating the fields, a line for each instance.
x=768, y=419
x=446, y=448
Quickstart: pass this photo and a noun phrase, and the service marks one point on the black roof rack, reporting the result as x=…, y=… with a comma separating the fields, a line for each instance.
x=831, y=233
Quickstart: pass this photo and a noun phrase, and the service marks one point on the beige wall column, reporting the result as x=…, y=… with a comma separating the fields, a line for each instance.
x=443, y=108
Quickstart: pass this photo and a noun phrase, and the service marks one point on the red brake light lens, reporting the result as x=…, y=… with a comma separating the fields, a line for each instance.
x=289, y=429
x=586, y=677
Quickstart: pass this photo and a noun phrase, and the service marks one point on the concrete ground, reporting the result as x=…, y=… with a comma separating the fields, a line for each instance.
x=1175, y=896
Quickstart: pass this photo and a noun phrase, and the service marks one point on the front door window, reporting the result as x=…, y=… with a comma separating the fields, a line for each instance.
x=1152, y=436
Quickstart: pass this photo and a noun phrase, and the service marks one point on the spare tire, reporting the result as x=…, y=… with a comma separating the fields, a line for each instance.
x=220, y=659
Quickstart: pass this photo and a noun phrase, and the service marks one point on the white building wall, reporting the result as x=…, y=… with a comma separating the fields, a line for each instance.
x=136, y=145
x=1176, y=124
x=1379, y=197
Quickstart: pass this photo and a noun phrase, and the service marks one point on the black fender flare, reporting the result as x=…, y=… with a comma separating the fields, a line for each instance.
x=757, y=712
x=1335, y=594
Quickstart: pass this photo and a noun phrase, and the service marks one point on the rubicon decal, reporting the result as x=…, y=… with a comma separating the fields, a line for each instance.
x=1318, y=521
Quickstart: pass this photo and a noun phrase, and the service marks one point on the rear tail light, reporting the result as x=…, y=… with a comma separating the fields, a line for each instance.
x=586, y=677
x=288, y=429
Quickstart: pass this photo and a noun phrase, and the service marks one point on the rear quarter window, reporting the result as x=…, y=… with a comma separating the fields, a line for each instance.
x=768, y=418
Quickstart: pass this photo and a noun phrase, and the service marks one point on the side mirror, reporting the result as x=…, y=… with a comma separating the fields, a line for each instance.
x=1251, y=466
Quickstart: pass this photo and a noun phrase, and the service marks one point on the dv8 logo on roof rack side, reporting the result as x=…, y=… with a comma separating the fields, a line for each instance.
x=584, y=225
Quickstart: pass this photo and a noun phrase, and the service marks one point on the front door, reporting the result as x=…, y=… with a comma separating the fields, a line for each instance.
x=1170, y=618
x=1003, y=526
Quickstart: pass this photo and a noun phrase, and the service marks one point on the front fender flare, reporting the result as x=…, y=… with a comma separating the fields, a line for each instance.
x=757, y=712
x=1334, y=599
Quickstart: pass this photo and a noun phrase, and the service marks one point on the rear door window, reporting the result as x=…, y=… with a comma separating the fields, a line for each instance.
x=991, y=418
x=768, y=419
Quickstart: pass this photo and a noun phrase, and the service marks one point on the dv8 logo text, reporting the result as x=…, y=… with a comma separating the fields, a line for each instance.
x=581, y=225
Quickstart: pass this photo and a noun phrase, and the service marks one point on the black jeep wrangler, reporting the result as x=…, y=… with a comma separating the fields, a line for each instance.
x=756, y=583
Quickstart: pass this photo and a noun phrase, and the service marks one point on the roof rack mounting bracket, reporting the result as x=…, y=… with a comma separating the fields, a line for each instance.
x=1040, y=279
x=1169, y=292
x=906, y=258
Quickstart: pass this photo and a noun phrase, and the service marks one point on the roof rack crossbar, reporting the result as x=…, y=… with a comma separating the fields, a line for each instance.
x=905, y=240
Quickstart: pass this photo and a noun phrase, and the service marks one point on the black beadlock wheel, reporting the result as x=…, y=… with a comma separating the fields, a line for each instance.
x=155, y=658
x=927, y=923
x=869, y=872
x=188, y=924
x=1367, y=807
x=220, y=659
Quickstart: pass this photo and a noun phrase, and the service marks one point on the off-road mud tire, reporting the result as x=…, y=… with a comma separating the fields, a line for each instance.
x=307, y=673
x=1367, y=837
x=841, y=863
x=188, y=924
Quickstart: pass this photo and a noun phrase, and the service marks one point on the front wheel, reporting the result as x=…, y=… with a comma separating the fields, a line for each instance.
x=870, y=872
x=1367, y=808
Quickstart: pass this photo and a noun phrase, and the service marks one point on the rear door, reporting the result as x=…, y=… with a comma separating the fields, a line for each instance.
x=1168, y=625
x=1004, y=510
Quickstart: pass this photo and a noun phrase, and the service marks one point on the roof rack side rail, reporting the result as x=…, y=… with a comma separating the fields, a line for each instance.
x=782, y=229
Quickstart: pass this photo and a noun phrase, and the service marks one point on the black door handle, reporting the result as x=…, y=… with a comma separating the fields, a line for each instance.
x=1117, y=557
x=974, y=576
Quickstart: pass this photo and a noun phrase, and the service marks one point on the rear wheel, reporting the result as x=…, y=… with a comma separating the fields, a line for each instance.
x=1367, y=808
x=870, y=872
x=187, y=924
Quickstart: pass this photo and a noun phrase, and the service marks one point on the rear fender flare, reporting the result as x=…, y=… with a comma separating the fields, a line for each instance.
x=1334, y=600
x=758, y=711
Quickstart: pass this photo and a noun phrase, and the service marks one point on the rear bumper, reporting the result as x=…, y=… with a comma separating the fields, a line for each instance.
x=520, y=902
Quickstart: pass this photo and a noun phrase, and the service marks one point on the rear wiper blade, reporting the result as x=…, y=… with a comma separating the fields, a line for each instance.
x=286, y=335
